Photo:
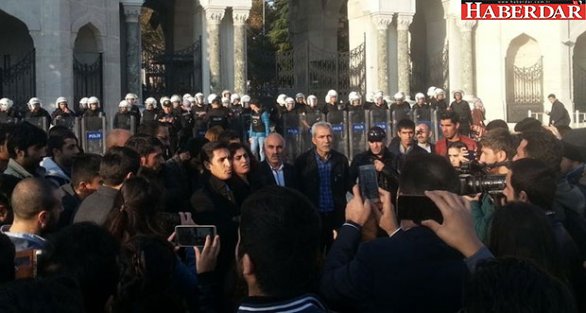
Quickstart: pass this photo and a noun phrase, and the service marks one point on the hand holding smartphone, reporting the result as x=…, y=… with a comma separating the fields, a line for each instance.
x=193, y=235
x=368, y=183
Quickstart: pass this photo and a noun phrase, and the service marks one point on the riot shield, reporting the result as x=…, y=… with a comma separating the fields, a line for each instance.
x=41, y=122
x=71, y=122
x=127, y=122
x=9, y=120
x=307, y=120
x=358, y=131
x=93, y=134
x=396, y=117
x=292, y=134
x=339, y=121
x=382, y=119
x=435, y=127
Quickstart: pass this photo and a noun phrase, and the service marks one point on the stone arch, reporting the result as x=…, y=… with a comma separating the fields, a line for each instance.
x=429, y=50
x=579, y=72
x=524, y=77
x=87, y=44
x=87, y=64
x=88, y=23
x=17, y=60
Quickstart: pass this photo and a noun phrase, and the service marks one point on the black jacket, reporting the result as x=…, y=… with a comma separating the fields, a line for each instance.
x=395, y=148
x=412, y=271
x=264, y=176
x=308, y=175
x=215, y=204
x=388, y=178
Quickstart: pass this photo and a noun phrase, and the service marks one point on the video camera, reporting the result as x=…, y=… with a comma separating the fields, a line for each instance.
x=475, y=178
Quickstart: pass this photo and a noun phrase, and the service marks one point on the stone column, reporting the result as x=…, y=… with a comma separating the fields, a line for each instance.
x=467, y=60
x=214, y=17
x=240, y=17
x=403, y=58
x=382, y=25
x=133, y=48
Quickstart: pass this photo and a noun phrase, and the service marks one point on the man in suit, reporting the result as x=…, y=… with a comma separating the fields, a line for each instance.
x=423, y=135
x=324, y=178
x=410, y=269
x=558, y=116
x=274, y=170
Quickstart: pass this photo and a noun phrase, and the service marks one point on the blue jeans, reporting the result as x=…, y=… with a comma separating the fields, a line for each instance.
x=257, y=145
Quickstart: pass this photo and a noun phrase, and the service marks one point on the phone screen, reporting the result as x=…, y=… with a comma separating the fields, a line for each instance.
x=368, y=183
x=193, y=235
x=418, y=208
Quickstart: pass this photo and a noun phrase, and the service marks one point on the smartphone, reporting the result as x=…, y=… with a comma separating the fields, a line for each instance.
x=418, y=208
x=193, y=235
x=368, y=183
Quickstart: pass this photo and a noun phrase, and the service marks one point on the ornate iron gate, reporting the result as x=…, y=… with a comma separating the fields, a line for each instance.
x=176, y=73
x=88, y=80
x=17, y=81
x=316, y=71
x=524, y=90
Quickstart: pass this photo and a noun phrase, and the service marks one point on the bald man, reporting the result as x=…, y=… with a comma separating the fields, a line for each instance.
x=423, y=136
x=117, y=138
x=274, y=170
x=36, y=210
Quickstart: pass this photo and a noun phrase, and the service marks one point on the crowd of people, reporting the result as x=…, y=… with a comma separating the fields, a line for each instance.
x=498, y=223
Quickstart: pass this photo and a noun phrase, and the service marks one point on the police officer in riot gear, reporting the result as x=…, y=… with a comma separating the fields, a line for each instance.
x=218, y=115
x=379, y=156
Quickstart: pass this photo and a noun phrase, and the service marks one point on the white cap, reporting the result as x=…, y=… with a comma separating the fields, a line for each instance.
x=419, y=95
x=438, y=91
x=245, y=98
x=234, y=96
x=460, y=91
x=199, y=95
x=311, y=99
x=399, y=96
x=60, y=99
x=175, y=98
x=289, y=100
x=6, y=103
x=211, y=97
x=186, y=96
x=123, y=104
x=93, y=99
x=150, y=101
x=34, y=100
x=225, y=92
x=130, y=96
x=378, y=94
x=83, y=100
x=163, y=99
x=353, y=95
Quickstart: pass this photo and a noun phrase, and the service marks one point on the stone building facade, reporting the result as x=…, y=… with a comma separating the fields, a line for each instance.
x=62, y=42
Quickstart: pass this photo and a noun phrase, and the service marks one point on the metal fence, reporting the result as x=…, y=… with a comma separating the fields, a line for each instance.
x=167, y=73
x=313, y=70
x=88, y=79
x=18, y=80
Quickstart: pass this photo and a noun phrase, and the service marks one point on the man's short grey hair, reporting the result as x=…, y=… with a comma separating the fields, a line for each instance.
x=318, y=125
x=277, y=135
